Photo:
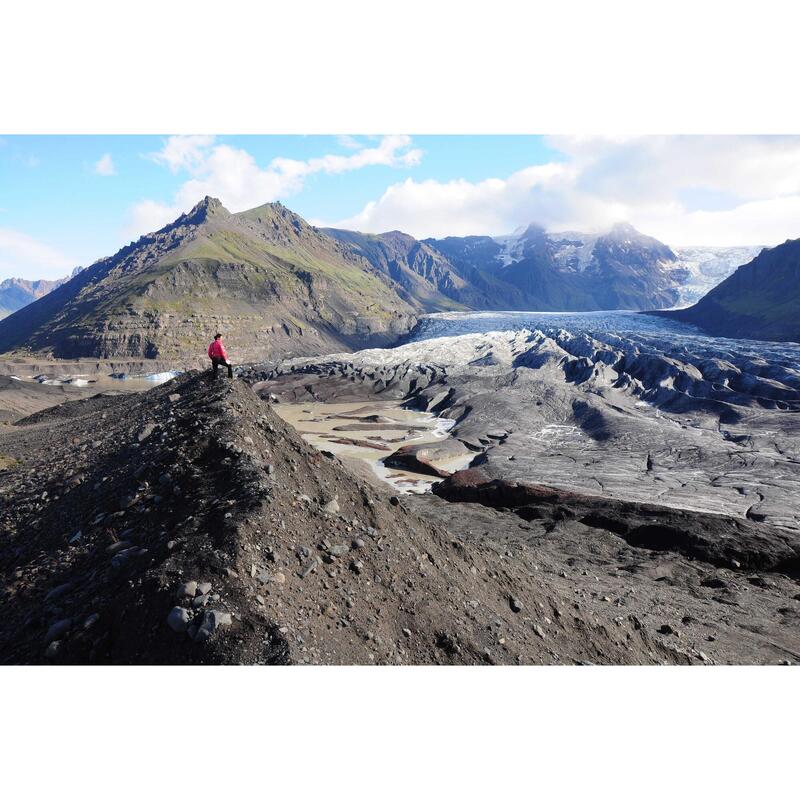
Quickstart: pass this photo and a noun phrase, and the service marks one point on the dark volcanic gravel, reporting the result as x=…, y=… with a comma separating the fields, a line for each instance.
x=189, y=524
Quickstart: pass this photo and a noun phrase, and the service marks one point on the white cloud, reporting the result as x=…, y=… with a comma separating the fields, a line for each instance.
x=232, y=174
x=541, y=193
x=22, y=256
x=350, y=142
x=105, y=165
x=182, y=152
x=750, y=187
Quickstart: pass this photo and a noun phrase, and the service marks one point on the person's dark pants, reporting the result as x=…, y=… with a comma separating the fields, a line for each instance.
x=216, y=362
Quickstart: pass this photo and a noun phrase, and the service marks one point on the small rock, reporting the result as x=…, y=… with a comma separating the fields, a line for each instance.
x=308, y=567
x=394, y=500
x=57, y=630
x=188, y=589
x=329, y=610
x=52, y=649
x=331, y=507
x=145, y=432
x=357, y=567
x=515, y=604
x=539, y=631
x=667, y=630
x=90, y=620
x=173, y=398
x=178, y=619
x=212, y=621
x=203, y=588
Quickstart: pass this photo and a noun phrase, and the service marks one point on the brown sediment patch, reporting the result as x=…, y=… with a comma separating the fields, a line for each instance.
x=402, y=426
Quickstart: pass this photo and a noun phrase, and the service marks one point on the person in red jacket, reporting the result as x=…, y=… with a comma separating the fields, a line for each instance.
x=217, y=354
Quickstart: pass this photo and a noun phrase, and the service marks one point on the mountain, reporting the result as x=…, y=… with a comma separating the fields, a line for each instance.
x=529, y=270
x=759, y=301
x=700, y=269
x=16, y=293
x=423, y=274
x=276, y=286
x=620, y=269
x=265, y=278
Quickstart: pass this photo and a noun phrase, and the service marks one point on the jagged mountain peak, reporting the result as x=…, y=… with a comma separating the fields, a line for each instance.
x=206, y=209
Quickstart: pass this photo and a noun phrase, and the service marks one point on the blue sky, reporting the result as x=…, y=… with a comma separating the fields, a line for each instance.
x=68, y=200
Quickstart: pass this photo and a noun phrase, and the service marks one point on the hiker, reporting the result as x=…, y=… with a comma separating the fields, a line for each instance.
x=217, y=354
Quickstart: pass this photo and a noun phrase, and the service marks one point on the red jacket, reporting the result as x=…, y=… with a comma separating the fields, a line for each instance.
x=217, y=350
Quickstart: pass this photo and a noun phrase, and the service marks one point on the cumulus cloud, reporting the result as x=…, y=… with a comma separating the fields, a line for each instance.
x=25, y=257
x=724, y=190
x=105, y=165
x=182, y=152
x=234, y=176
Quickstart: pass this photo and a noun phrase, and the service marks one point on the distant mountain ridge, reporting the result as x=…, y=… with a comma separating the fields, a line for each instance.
x=533, y=269
x=760, y=300
x=16, y=293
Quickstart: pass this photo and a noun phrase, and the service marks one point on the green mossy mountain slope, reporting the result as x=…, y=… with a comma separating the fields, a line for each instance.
x=272, y=283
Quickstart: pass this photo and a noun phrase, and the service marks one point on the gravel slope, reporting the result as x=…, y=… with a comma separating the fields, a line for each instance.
x=189, y=524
